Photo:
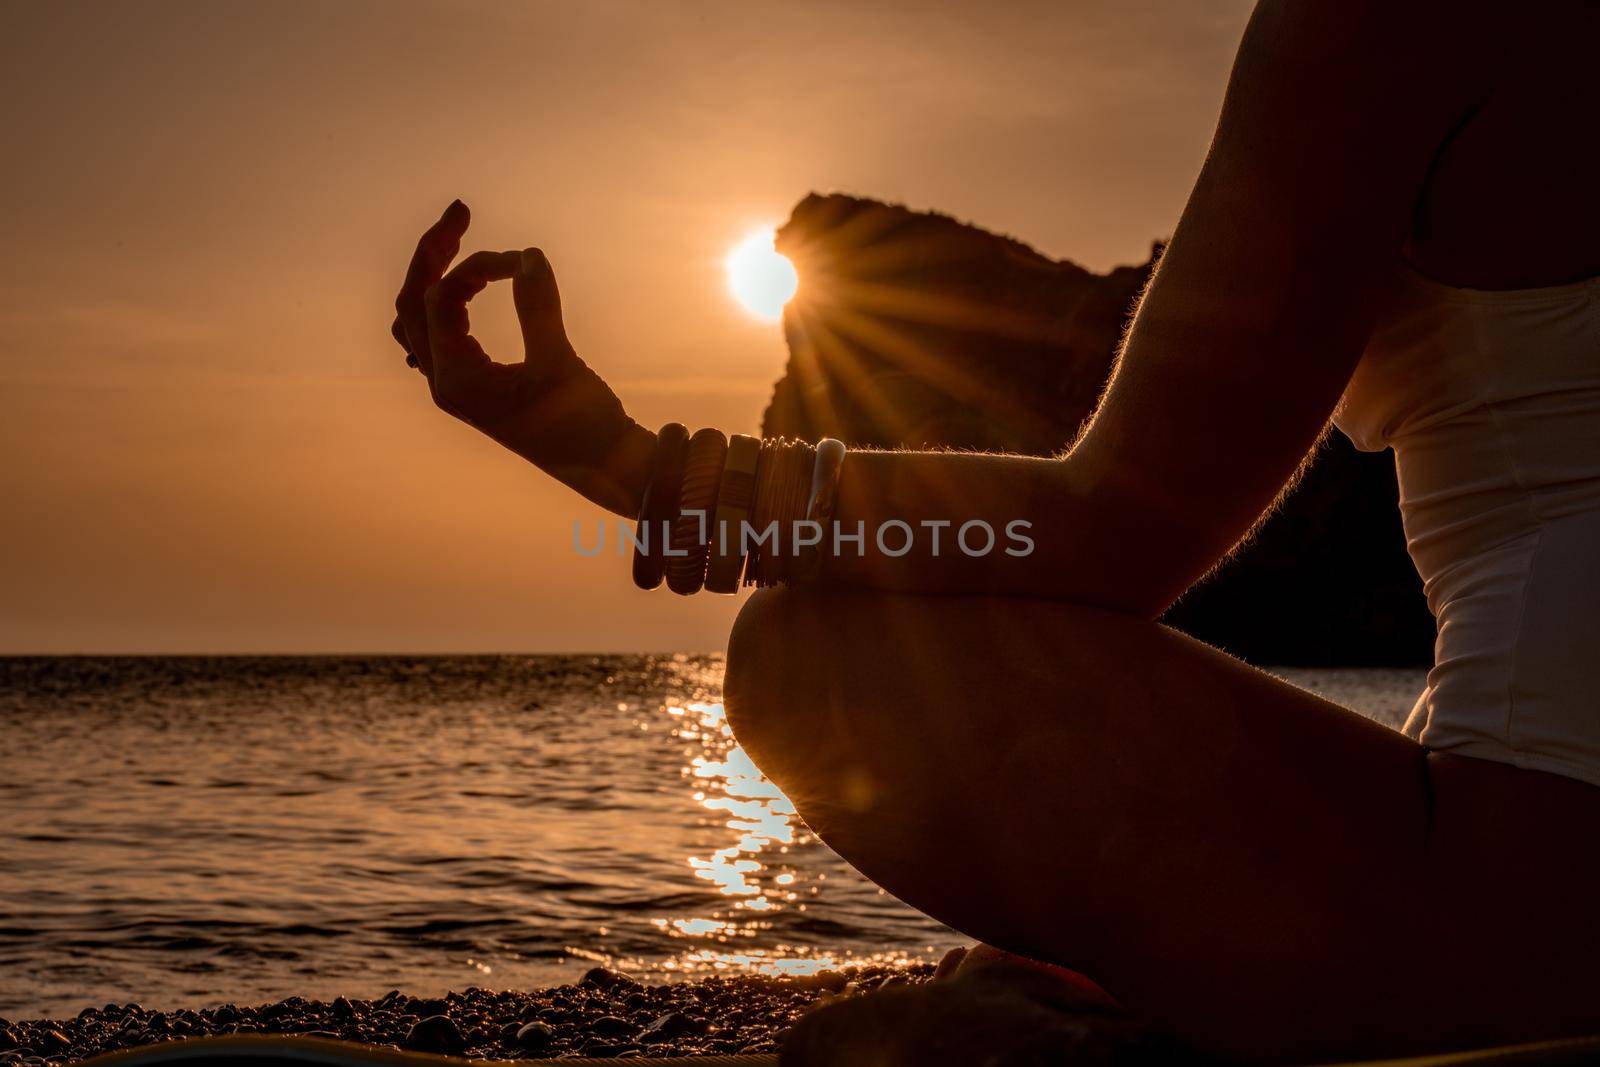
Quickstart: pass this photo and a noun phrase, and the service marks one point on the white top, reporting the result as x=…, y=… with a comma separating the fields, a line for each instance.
x=1491, y=402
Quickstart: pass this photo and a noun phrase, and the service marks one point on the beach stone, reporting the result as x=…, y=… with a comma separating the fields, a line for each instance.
x=672, y=1025
x=49, y=1042
x=8, y=1039
x=607, y=979
x=830, y=981
x=431, y=1006
x=612, y=1026
x=436, y=1033
x=535, y=1036
x=341, y=1008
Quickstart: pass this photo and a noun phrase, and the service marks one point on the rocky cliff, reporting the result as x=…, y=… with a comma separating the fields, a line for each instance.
x=915, y=330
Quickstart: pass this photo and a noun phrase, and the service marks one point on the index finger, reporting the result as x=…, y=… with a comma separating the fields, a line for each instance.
x=437, y=247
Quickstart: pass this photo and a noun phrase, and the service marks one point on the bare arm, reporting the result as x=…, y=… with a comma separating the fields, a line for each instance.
x=1242, y=346
x=1240, y=349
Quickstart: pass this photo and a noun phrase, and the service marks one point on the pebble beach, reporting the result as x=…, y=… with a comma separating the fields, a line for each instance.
x=607, y=1013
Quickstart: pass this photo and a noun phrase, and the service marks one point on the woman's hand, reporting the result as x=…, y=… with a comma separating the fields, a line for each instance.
x=551, y=409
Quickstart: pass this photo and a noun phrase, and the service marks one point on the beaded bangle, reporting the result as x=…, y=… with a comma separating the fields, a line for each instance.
x=780, y=495
x=793, y=507
x=761, y=508
x=660, y=505
x=734, y=497
x=820, y=505
x=702, y=474
x=778, y=484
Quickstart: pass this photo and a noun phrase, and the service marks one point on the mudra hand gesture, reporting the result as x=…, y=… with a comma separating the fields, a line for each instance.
x=551, y=409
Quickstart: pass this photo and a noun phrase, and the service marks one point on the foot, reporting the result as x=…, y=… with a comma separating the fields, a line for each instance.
x=985, y=1007
x=1058, y=985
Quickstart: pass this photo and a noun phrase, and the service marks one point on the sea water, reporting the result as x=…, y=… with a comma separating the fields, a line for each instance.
x=188, y=831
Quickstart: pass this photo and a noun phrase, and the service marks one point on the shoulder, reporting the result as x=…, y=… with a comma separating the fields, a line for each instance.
x=1352, y=98
x=1425, y=48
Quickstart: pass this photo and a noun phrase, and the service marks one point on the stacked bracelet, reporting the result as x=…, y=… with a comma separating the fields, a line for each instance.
x=702, y=475
x=715, y=510
x=734, y=497
x=659, y=506
x=761, y=511
x=820, y=504
x=797, y=461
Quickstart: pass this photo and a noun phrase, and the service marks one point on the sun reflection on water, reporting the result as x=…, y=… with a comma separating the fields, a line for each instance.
x=753, y=869
x=750, y=877
x=758, y=812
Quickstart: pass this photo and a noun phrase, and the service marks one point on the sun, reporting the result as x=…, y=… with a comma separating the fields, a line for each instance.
x=759, y=277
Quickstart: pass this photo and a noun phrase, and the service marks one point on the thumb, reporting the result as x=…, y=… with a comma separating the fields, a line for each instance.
x=533, y=288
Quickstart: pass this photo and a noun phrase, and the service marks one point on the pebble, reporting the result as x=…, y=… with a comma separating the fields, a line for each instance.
x=422, y=1009
x=50, y=1042
x=832, y=981
x=605, y=978
x=534, y=1036
x=436, y=1033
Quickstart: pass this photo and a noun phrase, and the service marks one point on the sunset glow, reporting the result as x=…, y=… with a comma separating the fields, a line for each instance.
x=759, y=277
x=270, y=439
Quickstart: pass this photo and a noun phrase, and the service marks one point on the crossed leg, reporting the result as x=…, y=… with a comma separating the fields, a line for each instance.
x=1271, y=875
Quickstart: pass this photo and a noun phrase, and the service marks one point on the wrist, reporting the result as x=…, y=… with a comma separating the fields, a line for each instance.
x=632, y=457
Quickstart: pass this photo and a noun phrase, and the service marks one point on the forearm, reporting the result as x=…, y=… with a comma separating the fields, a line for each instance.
x=964, y=523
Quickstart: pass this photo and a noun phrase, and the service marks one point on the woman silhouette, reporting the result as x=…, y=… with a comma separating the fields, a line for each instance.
x=1398, y=210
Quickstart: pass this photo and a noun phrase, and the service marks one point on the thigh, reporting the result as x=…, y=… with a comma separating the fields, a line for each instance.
x=1102, y=792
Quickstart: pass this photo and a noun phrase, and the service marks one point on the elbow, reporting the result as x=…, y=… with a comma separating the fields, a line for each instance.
x=1139, y=545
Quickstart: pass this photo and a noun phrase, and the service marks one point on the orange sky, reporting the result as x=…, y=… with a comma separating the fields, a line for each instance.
x=211, y=442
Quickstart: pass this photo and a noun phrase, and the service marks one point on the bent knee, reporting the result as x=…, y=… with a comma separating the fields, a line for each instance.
x=782, y=693
x=767, y=634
